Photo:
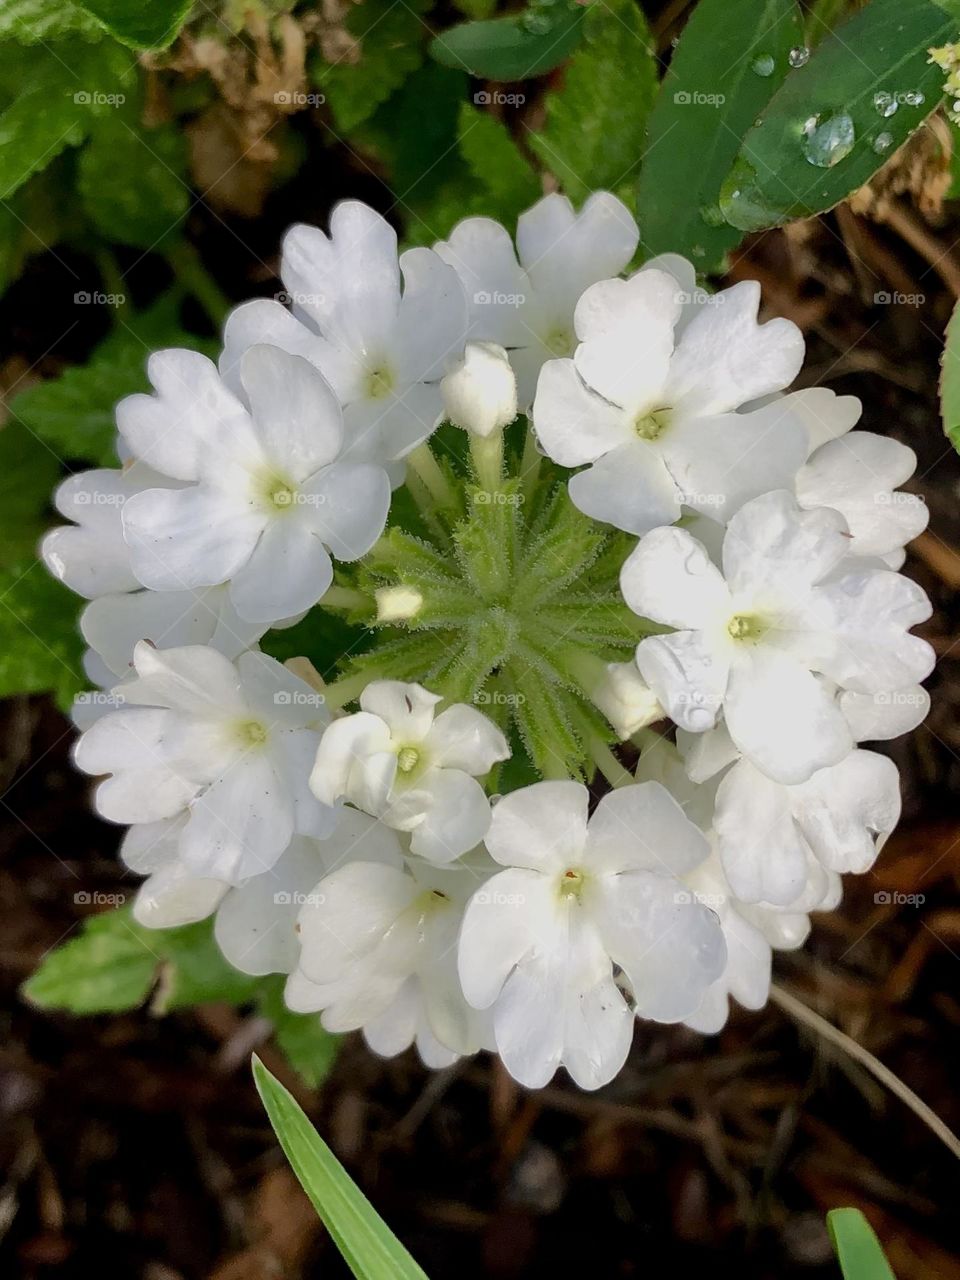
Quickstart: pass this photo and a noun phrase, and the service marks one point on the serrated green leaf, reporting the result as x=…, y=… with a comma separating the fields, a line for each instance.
x=106, y=968
x=40, y=646
x=857, y=1247
x=391, y=38
x=141, y=24
x=593, y=137
x=309, y=1049
x=29, y=470
x=825, y=133
x=369, y=1247
x=495, y=161
x=513, y=48
x=34, y=21
x=149, y=204
x=731, y=58
x=74, y=414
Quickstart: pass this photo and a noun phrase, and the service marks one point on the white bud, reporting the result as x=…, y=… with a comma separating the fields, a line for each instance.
x=481, y=395
x=625, y=699
x=398, y=604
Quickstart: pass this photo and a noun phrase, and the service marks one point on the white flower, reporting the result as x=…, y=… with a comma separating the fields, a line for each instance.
x=414, y=772
x=398, y=604
x=481, y=394
x=540, y=940
x=255, y=924
x=528, y=306
x=378, y=951
x=750, y=933
x=90, y=555
x=230, y=744
x=626, y=699
x=858, y=474
x=270, y=491
x=749, y=642
x=652, y=408
x=383, y=353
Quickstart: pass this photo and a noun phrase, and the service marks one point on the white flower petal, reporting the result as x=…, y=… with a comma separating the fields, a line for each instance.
x=408, y=709
x=774, y=550
x=296, y=414
x=763, y=854
x=355, y=760
x=642, y=828
x=629, y=488
x=192, y=537
x=669, y=578
x=543, y=826
x=481, y=252
x=688, y=675
x=456, y=819
x=287, y=572
x=432, y=324
x=846, y=812
x=346, y=507
x=463, y=738
x=240, y=824
x=878, y=717
x=511, y=915
x=573, y=424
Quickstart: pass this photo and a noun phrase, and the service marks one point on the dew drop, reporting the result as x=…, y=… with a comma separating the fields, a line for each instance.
x=882, y=142
x=698, y=251
x=799, y=56
x=828, y=141
x=763, y=65
x=914, y=98
x=712, y=216
x=885, y=104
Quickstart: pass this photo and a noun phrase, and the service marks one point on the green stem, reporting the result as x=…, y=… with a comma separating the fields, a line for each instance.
x=191, y=273
x=337, y=597
x=607, y=762
x=486, y=453
x=426, y=468
x=344, y=690
x=112, y=278
x=530, y=463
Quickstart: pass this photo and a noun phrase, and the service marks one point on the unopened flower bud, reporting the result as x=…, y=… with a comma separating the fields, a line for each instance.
x=398, y=604
x=481, y=395
x=626, y=700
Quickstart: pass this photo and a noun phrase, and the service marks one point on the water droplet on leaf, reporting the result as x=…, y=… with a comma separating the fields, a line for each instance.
x=799, y=56
x=914, y=98
x=829, y=140
x=712, y=216
x=763, y=65
x=885, y=103
x=882, y=142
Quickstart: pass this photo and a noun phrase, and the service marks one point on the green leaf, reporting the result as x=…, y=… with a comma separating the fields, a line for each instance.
x=495, y=161
x=194, y=969
x=857, y=1247
x=74, y=414
x=40, y=646
x=516, y=47
x=105, y=969
x=309, y=1049
x=151, y=201
x=28, y=473
x=594, y=133
x=391, y=37
x=322, y=636
x=369, y=1247
x=33, y=221
x=950, y=381
x=720, y=79
x=826, y=131
x=34, y=21
x=141, y=24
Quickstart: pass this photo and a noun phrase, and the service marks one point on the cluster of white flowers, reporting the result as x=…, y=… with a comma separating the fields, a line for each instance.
x=363, y=853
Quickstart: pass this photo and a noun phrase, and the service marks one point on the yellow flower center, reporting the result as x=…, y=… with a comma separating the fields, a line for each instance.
x=746, y=626
x=650, y=426
x=379, y=383
x=407, y=759
x=571, y=883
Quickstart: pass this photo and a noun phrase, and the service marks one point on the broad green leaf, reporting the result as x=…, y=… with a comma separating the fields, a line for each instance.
x=194, y=970
x=516, y=47
x=74, y=414
x=34, y=21
x=369, y=1247
x=141, y=24
x=731, y=57
x=857, y=1247
x=34, y=221
x=950, y=381
x=29, y=470
x=150, y=203
x=106, y=968
x=309, y=1049
x=593, y=137
x=391, y=37
x=509, y=183
x=836, y=120
x=40, y=646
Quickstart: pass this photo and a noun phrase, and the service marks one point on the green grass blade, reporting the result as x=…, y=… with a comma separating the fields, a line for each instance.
x=857, y=1248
